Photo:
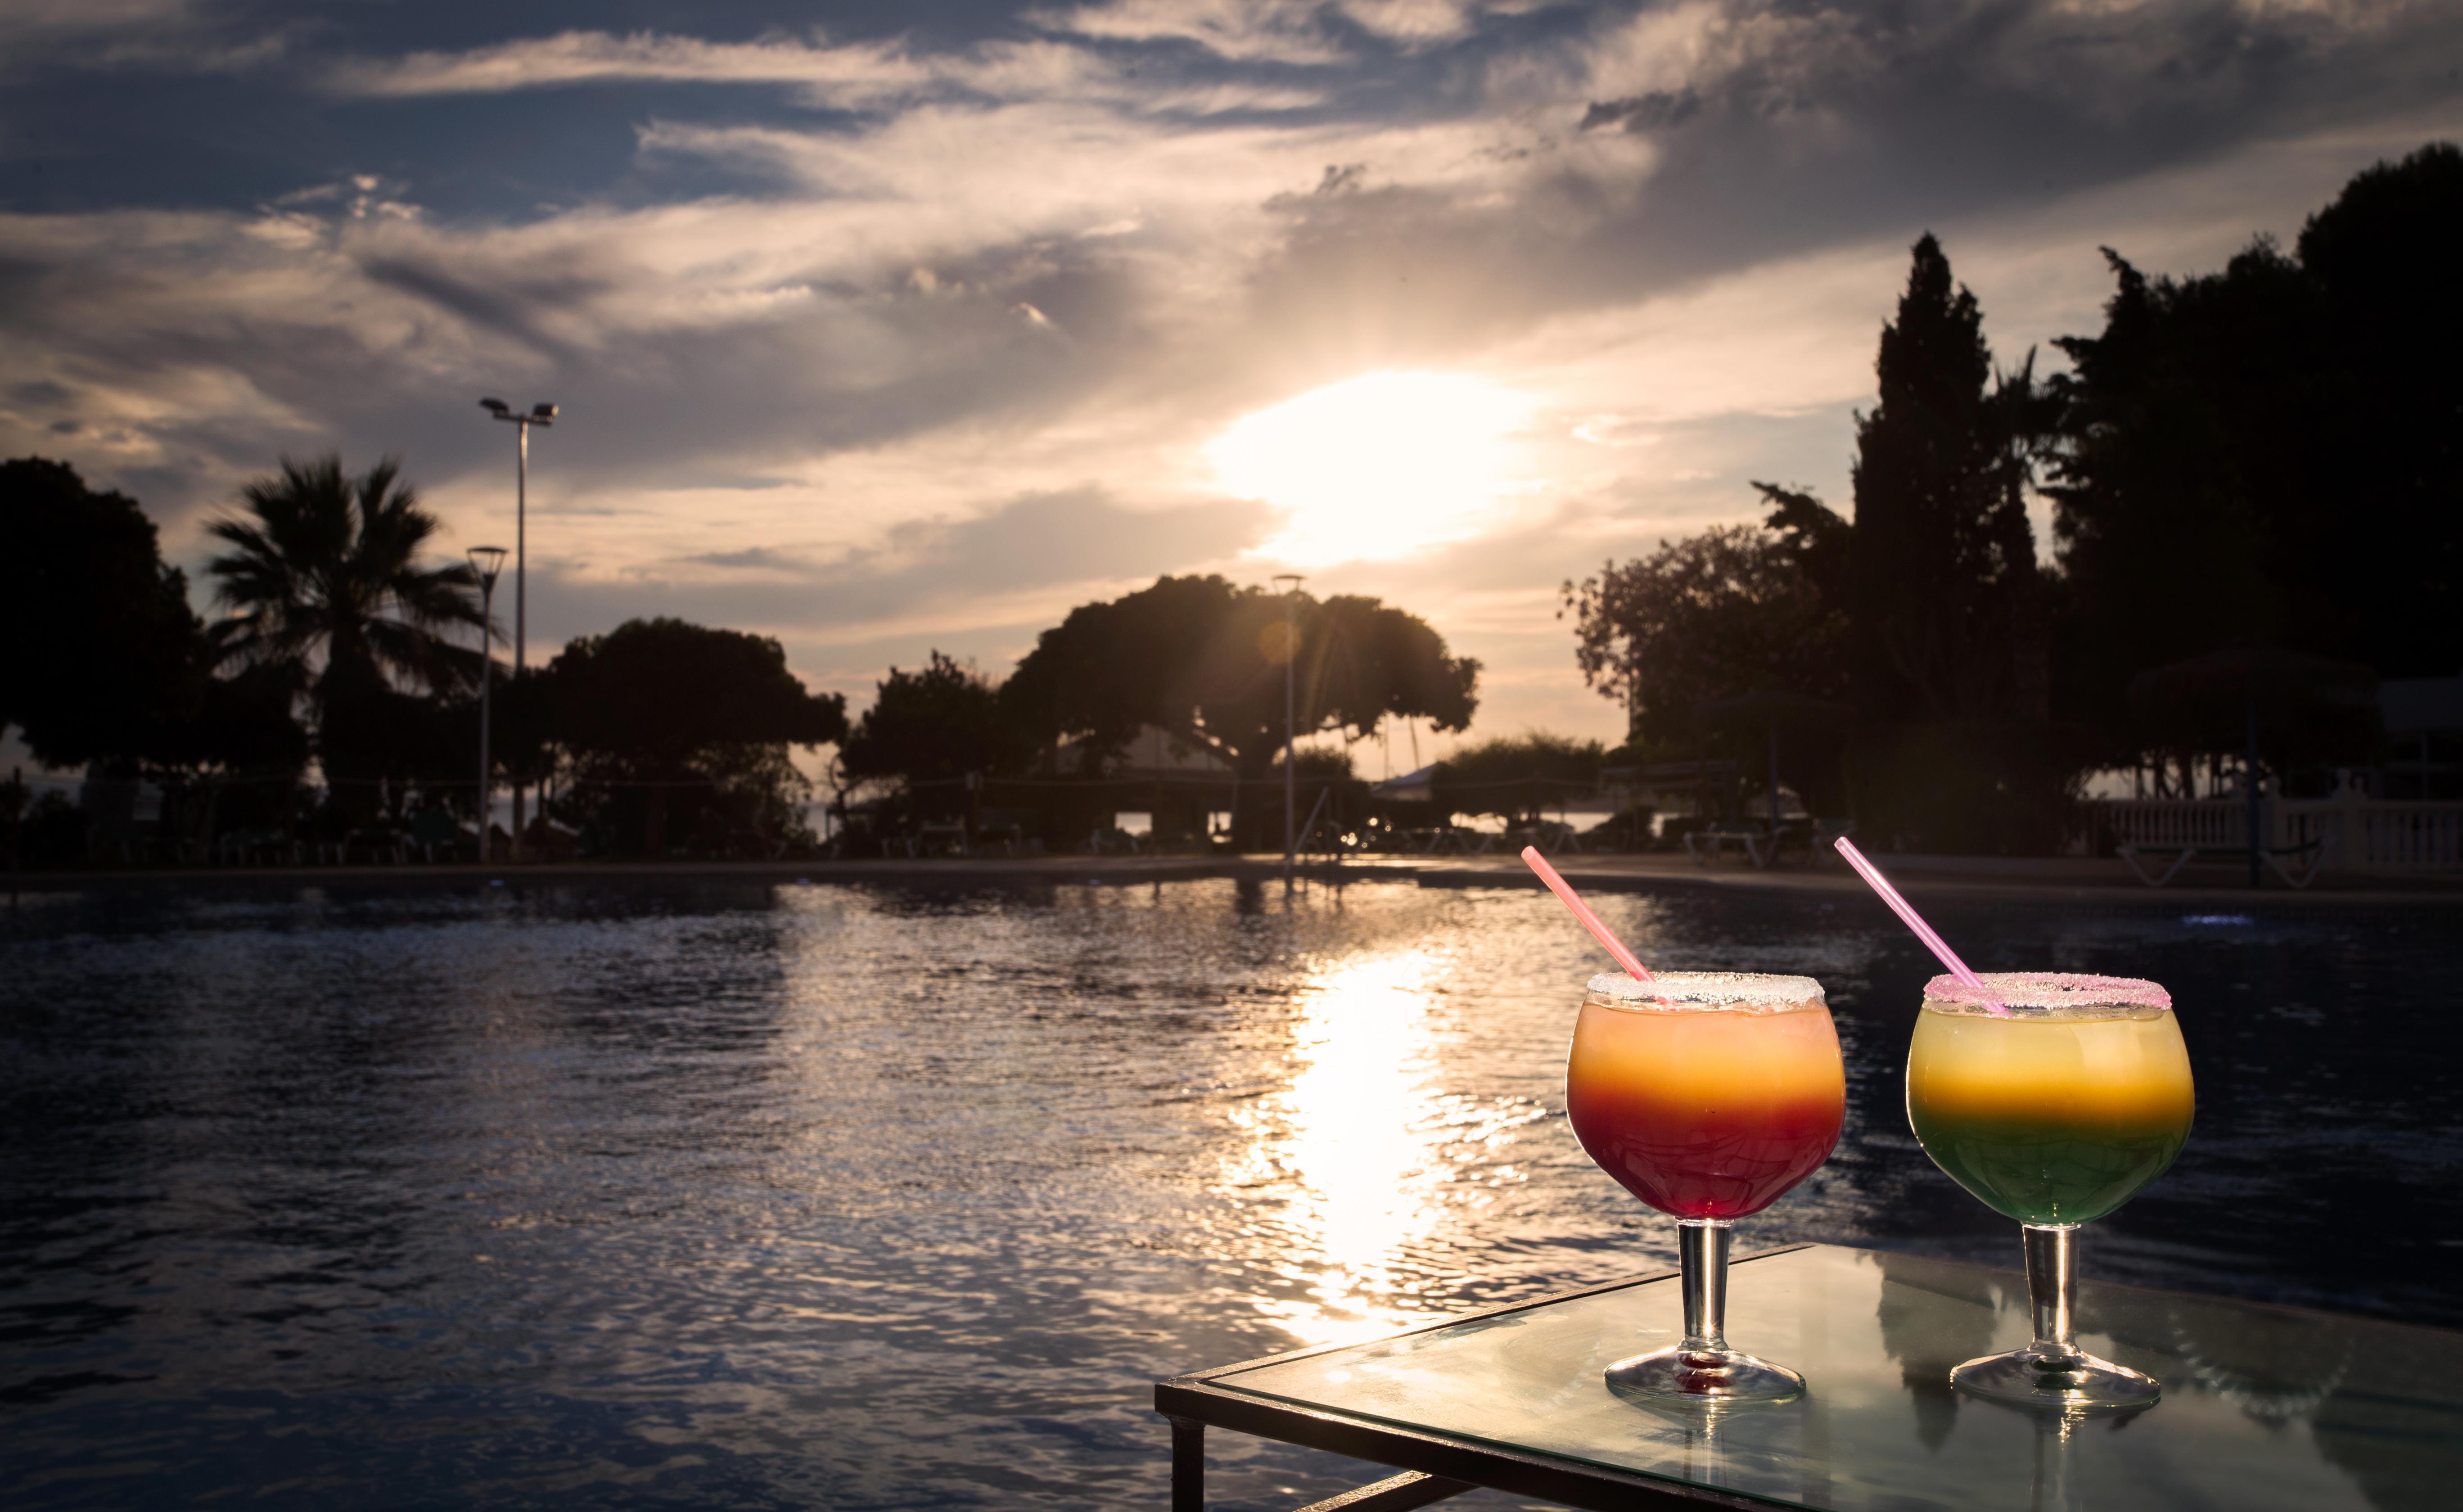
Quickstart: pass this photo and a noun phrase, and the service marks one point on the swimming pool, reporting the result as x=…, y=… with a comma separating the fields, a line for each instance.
x=730, y=1194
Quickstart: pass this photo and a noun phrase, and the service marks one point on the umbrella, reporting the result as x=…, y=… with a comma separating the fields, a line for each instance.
x=2220, y=687
x=2204, y=693
x=1771, y=711
x=1411, y=787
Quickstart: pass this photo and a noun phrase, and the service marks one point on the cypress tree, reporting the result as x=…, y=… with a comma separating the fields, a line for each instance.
x=1945, y=602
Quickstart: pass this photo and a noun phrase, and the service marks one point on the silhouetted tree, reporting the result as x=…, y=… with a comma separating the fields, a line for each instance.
x=1320, y=764
x=1821, y=542
x=1517, y=777
x=2272, y=453
x=939, y=722
x=1204, y=660
x=2381, y=258
x=1729, y=611
x=324, y=574
x=1945, y=606
x=102, y=648
x=238, y=757
x=658, y=712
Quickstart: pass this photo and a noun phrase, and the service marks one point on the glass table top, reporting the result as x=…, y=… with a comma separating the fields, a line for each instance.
x=2262, y=1407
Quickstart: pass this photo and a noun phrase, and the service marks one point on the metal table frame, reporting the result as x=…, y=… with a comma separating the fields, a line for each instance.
x=1434, y=1465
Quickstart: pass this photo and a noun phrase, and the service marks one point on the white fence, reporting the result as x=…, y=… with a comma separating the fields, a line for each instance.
x=2359, y=835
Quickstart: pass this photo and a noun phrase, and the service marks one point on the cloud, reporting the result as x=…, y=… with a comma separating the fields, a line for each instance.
x=1246, y=31
x=754, y=557
x=1303, y=32
x=35, y=22
x=979, y=585
x=1839, y=69
x=841, y=75
x=135, y=35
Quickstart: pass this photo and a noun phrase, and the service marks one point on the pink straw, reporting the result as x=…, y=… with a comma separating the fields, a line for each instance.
x=1600, y=931
x=1908, y=915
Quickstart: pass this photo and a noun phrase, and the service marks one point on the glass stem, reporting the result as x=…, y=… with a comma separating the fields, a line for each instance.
x=2052, y=1280
x=1702, y=1250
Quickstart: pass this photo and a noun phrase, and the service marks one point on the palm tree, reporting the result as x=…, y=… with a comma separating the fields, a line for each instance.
x=323, y=578
x=324, y=574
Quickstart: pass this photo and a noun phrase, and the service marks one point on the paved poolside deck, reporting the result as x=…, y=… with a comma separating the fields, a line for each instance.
x=2040, y=877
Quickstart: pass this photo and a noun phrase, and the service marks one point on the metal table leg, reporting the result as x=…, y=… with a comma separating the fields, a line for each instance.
x=1188, y=1466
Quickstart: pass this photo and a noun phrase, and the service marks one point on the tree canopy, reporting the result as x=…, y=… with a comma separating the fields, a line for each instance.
x=1731, y=611
x=237, y=724
x=103, y=649
x=1204, y=660
x=1945, y=608
x=943, y=721
x=324, y=578
x=1929, y=606
x=1517, y=777
x=324, y=572
x=2272, y=453
x=1928, y=612
x=657, y=694
x=656, y=709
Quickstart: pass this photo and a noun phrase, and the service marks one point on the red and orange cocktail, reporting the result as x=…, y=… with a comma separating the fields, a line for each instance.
x=1708, y=1095
x=1706, y=1114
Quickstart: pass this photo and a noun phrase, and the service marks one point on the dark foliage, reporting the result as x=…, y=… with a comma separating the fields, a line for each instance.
x=2273, y=454
x=1204, y=660
x=102, y=648
x=1729, y=611
x=1950, y=645
x=1518, y=778
x=1990, y=787
x=241, y=723
x=1928, y=612
x=664, y=720
x=1320, y=764
x=323, y=576
x=938, y=723
x=1945, y=604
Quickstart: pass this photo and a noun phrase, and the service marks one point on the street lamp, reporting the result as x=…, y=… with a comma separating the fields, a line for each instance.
x=1290, y=584
x=540, y=414
x=486, y=561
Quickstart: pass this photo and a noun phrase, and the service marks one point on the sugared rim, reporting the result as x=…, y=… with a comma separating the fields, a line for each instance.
x=1711, y=989
x=2049, y=990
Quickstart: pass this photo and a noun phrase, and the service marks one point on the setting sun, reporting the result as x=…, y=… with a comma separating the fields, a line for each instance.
x=1375, y=467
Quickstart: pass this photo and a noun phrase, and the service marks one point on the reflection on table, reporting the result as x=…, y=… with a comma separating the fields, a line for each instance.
x=2262, y=1407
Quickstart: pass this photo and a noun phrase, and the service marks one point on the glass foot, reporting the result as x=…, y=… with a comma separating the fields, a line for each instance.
x=2077, y=1383
x=1702, y=1375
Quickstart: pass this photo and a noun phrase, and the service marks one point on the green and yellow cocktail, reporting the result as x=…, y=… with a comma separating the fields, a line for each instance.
x=2055, y=1099
x=2057, y=1117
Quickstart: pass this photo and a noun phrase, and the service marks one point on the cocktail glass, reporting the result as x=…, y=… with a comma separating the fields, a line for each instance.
x=1708, y=1095
x=2055, y=1099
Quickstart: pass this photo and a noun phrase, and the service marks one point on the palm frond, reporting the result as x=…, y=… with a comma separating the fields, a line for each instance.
x=324, y=567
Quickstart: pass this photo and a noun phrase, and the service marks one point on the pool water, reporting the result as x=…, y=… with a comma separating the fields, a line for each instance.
x=726, y=1195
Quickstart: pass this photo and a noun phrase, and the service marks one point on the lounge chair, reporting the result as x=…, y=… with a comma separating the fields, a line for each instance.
x=951, y=834
x=433, y=829
x=1760, y=845
x=2297, y=865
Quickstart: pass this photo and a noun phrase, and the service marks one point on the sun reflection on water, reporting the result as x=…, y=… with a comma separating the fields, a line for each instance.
x=1369, y=1156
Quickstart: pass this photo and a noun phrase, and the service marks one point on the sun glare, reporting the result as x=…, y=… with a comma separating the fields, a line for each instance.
x=1376, y=467
x=1349, y=1145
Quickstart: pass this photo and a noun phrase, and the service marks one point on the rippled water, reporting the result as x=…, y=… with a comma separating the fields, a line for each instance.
x=724, y=1194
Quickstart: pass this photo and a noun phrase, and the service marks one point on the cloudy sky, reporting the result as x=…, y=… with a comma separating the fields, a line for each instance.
x=886, y=327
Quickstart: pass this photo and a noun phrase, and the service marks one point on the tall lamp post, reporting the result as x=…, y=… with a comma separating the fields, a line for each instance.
x=540, y=414
x=486, y=561
x=1290, y=584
